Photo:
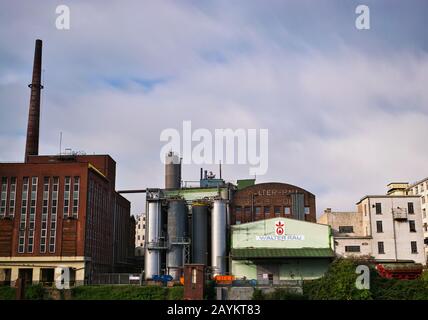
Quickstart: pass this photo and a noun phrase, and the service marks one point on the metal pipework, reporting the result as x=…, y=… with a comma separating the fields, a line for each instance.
x=199, y=233
x=152, y=259
x=218, y=237
x=177, y=237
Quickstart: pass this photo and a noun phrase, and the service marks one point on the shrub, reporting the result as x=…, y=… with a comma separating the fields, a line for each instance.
x=176, y=293
x=34, y=292
x=7, y=293
x=119, y=292
x=258, y=294
x=284, y=294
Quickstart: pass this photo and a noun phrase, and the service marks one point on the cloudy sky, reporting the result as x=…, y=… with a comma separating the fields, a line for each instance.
x=346, y=109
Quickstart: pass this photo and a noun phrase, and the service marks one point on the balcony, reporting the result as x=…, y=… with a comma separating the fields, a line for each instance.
x=399, y=214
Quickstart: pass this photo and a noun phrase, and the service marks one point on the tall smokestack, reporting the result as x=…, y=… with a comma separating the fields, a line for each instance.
x=32, y=144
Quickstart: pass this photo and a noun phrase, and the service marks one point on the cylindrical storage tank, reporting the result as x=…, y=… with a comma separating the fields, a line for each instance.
x=172, y=171
x=152, y=257
x=177, y=236
x=218, y=237
x=199, y=233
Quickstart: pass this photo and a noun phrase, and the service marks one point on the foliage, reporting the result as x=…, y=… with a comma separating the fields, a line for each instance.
x=7, y=293
x=127, y=292
x=210, y=293
x=176, y=293
x=339, y=284
x=258, y=294
x=34, y=292
x=284, y=294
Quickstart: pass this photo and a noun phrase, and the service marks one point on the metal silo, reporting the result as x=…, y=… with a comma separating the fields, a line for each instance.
x=172, y=171
x=152, y=259
x=177, y=237
x=199, y=233
x=218, y=237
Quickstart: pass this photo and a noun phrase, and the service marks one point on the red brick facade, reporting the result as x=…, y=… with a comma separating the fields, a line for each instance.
x=270, y=200
x=86, y=225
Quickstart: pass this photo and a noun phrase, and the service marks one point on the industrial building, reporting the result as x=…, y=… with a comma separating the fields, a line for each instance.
x=196, y=224
x=420, y=188
x=140, y=234
x=385, y=228
x=61, y=211
x=278, y=250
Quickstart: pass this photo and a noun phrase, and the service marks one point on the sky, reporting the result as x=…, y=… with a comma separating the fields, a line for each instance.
x=346, y=109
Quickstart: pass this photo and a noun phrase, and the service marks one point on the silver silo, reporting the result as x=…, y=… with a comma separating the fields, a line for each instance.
x=152, y=259
x=199, y=233
x=218, y=237
x=177, y=237
x=172, y=171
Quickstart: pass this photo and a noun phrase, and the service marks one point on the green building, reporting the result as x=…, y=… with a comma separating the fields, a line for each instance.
x=280, y=249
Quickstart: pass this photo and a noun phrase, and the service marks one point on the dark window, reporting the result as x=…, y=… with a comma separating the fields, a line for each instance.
x=238, y=210
x=379, y=226
x=277, y=211
x=257, y=211
x=266, y=210
x=414, y=246
x=412, y=226
x=352, y=248
x=287, y=210
x=248, y=213
x=346, y=229
x=410, y=208
x=378, y=208
x=380, y=248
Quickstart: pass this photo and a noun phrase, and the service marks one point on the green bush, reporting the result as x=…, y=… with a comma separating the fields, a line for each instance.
x=120, y=292
x=210, y=291
x=176, y=293
x=7, y=293
x=337, y=284
x=34, y=292
x=284, y=294
x=258, y=294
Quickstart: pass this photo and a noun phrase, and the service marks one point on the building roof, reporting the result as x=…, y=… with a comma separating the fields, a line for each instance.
x=254, y=253
x=387, y=196
x=417, y=182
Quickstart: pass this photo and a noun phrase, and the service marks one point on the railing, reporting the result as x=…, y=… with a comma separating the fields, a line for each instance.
x=156, y=245
x=399, y=213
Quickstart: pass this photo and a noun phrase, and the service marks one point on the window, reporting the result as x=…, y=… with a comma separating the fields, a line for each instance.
x=45, y=211
x=266, y=211
x=3, y=196
x=194, y=276
x=412, y=226
x=422, y=187
x=414, y=246
x=380, y=248
x=307, y=210
x=66, y=196
x=138, y=238
x=424, y=213
x=378, y=208
x=410, y=208
x=23, y=219
x=33, y=206
x=76, y=184
x=286, y=210
x=53, y=217
x=346, y=229
x=257, y=211
x=352, y=249
x=379, y=227
x=425, y=227
x=12, y=196
x=248, y=213
x=277, y=211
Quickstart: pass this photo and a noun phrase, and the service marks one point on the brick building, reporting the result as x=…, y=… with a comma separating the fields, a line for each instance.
x=61, y=213
x=270, y=200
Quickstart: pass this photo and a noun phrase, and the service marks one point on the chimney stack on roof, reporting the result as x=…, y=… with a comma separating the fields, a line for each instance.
x=32, y=144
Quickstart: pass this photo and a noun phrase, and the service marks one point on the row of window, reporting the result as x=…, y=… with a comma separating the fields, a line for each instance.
x=381, y=248
x=420, y=188
x=379, y=227
x=410, y=208
x=51, y=187
x=3, y=196
x=277, y=210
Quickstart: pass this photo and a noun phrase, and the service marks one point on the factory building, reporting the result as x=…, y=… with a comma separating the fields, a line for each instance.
x=280, y=249
x=420, y=189
x=140, y=234
x=253, y=202
x=60, y=211
x=386, y=228
x=186, y=224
